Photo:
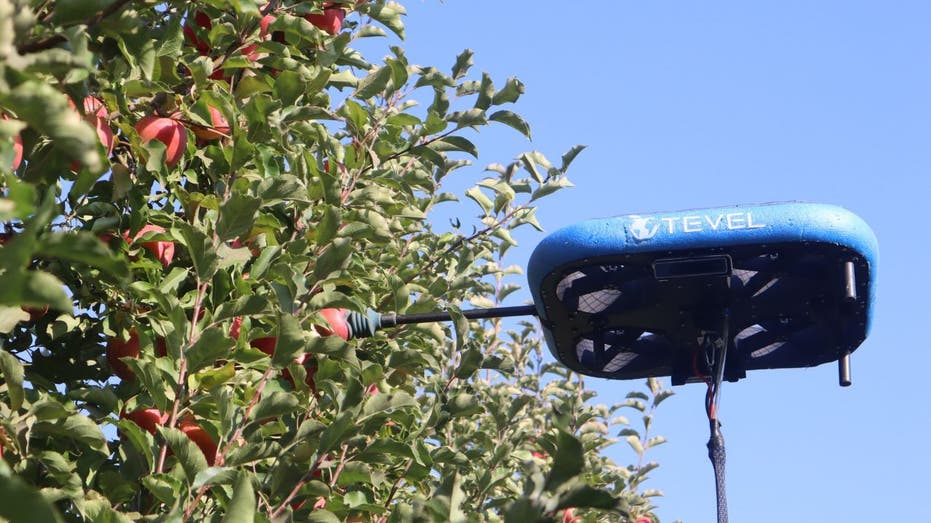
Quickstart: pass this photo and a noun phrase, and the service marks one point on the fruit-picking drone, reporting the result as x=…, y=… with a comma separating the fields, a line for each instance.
x=701, y=296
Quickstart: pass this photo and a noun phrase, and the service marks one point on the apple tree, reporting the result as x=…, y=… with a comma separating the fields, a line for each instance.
x=194, y=197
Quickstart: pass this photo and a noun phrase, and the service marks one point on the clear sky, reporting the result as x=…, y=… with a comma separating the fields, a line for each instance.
x=700, y=104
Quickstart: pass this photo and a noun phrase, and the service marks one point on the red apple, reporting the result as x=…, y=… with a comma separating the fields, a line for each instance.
x=202, y=439
x=219, y=128
x=147, y=419
x=161, y=349
x=336, y=320
x=202, y=20
x=35, y=313
x=568, y=516
x=331, y=20
x=118, y=348
x=166, y=130
x=235, y=327
x=266, y=345
x=17, y=147
x=164, y=251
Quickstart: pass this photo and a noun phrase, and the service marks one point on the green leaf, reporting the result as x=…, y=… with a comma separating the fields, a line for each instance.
x=70, y=11
x=568, y=461
x=329, y=225
x=188, y=453
x=244, y=306
x=586, y=496
x=274, y=405
x=388, y=13
x=455, y=143
x=22, y=287
x=468, y=118
x=212, y=345
x=291, y=340
x=334, y=258
x=511, y=92
x=237, y=216
x=486, y=91
x=550, y=187
x=463, y=63
x=282, y=187
x=471, y=361
x=21, y=502
x=83, y=247
x=373, y=84
x=322, y=516
x=512, y=120
x=46, y=110
x=202, y=250
x=13, y=377
x=570, y=156
x=479, y=197
x=165, y=487
x=242, y=507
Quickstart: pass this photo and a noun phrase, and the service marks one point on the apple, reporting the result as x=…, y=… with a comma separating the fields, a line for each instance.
x=568, y=516
x=219, y=127
x=95, y=112
x=202, y=439
x=35, y=313
x=169, y=131
x=201, y=19
x=118, y=348
x=235, y=327
x=147, y=419
x=331, y=20
x=164, y=251
x=336, y=319
x=17, y=147
x=266, y=345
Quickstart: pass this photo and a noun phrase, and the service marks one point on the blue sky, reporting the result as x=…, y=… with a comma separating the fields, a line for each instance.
x=700, y=104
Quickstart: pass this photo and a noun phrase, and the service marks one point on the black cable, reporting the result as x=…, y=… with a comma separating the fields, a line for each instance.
x=716, y=452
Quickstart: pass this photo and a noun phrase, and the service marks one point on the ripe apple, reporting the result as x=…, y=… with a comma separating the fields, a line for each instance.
x=568, y=516
x=17, y=147
x=95, y=112
x=147, y=419
x=169, y=131
x=118, y=348
x=266, y=345
x=35, y=313
x=201, y=19
x=235, y=327
x=336, y=319
x=331, y=20
x=202, y=439
x=219, y=128
x=164, y=251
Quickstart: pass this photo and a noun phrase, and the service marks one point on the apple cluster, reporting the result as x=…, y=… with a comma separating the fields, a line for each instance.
x=149, y=419
x=170, y=128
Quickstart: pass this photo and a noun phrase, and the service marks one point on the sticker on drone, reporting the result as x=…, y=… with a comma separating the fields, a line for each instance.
x=644, y=228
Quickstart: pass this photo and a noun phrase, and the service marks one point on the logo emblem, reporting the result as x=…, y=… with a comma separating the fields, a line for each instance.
x=642, y=228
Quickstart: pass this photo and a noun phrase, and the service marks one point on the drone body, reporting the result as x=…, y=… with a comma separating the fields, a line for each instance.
x=784, y=285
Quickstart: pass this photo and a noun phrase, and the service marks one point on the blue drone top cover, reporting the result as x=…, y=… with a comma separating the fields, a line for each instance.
x=634, y=296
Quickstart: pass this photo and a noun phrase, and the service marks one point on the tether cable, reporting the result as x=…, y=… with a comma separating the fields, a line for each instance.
x=716, y=453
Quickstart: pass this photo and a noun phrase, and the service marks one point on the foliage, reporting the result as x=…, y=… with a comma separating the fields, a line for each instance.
x=198, y=178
